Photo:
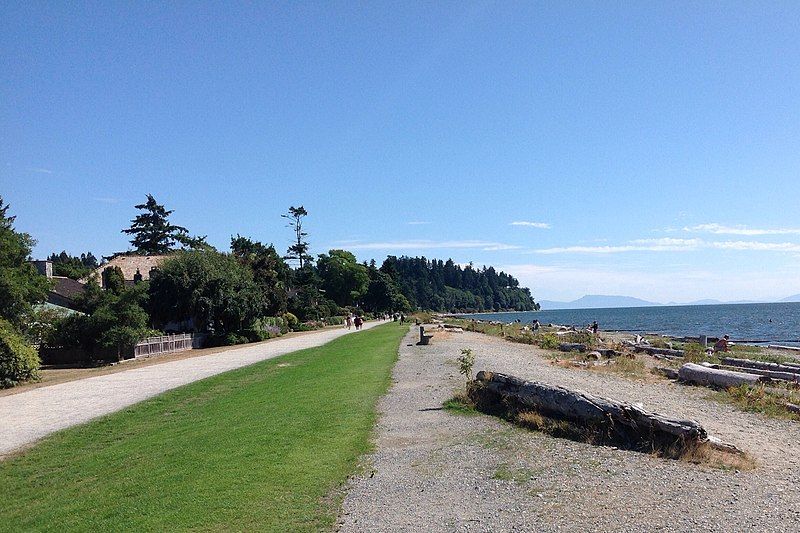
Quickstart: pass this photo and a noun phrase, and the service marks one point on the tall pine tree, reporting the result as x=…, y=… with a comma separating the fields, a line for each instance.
x=154, y=234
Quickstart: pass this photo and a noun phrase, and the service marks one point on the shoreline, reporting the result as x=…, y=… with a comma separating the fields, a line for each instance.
x=752, y=324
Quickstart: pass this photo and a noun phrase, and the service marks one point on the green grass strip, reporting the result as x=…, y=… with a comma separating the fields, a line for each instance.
x=263, y=448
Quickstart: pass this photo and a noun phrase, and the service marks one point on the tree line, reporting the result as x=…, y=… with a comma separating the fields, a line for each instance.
x=245, y=293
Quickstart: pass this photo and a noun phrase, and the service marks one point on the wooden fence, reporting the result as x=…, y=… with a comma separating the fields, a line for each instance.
x=167, y=344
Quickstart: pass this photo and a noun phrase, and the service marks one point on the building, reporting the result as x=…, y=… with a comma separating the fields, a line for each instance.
x=134, y=267
x=65, y=290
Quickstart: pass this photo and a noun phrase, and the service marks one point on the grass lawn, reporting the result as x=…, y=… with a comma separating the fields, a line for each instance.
x=263, y=447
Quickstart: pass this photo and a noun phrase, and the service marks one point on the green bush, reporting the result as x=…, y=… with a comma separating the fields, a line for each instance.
x=18, y=361
x=255, y=334
x=548, y=341
x=272, y=322
x=225, y=339
x=310, y=325
x=291, y=320
x=335, y=320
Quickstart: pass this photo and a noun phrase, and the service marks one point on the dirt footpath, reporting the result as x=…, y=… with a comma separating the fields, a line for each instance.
x=438, y=471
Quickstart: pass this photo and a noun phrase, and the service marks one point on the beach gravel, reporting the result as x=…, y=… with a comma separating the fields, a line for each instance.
x=433, y=470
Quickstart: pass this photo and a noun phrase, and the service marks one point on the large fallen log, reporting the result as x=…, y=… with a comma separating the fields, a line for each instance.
x=760, y=365
x=772, y=374
x=572, y=347
x=612, y=420
x=702, y=375
x=659, y=351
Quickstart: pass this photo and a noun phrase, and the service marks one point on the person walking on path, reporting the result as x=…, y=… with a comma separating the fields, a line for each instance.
x=349, y=321
x=358, y=322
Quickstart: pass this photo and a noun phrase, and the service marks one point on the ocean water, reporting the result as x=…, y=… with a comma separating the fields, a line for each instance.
x=754, y=323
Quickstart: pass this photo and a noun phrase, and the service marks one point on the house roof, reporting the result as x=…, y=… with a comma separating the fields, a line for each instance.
x=66, y=287
x=129, y=264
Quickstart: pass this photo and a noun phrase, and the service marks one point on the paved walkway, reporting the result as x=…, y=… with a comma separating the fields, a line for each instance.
x=28, y=416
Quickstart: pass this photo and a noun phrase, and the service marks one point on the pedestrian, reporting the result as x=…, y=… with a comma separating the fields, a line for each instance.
x=595, y=327
x=349, y=321
x=358, y=321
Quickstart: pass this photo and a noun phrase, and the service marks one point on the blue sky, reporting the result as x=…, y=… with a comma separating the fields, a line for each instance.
x=651, y=150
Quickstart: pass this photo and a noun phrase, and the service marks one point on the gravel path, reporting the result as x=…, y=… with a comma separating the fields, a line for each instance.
x=437, y=471
x=28, y=416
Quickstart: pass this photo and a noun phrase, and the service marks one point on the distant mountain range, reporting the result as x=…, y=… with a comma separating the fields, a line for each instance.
x=596, y=301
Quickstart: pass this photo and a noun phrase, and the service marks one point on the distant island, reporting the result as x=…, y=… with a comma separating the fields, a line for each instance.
x=598, y=301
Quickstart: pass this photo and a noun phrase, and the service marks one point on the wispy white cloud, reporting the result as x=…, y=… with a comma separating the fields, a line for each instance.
x=418, y=223
x=540, y=225
x=721, y=229
x=638, y=245
x=757, y=246
x=668, y=244
x=429, y=244
x=39, y=170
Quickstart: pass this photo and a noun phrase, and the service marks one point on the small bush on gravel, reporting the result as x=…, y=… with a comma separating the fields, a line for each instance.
x=18, y=361
x=466, y=361
x=548, y=341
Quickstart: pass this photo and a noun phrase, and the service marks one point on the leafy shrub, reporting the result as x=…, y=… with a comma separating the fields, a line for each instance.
x=548, y=341
x=18, y=361
x=275, y=325
x=255, y=334
x=291, y=320
x=225, y=339
x=335, y=320
x=466, y=361
x=310, y=325
x=577, y=337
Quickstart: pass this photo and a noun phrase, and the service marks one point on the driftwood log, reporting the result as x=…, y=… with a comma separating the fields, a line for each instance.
x=572, y=347
x=657, y=351
x=703, y=375
x=620, y=422
x=772, y=374
x=760, y=365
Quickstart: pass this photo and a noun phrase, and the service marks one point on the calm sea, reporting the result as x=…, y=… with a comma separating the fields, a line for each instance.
x=758, y=323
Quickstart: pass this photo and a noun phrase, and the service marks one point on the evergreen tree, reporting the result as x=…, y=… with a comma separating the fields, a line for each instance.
x=153, y=233
x=299, y=248
x=73, y=266
x=445, y=286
